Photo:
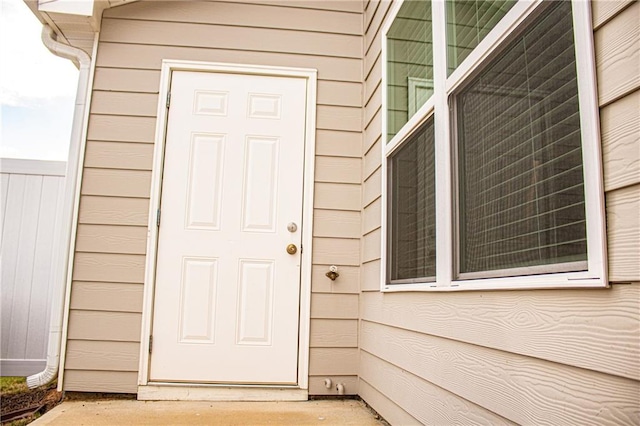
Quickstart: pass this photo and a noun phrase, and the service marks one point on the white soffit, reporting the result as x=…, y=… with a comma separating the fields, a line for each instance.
x=72, y=7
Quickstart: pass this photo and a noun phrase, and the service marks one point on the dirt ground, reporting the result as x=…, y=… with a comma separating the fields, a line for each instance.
x=20, y=405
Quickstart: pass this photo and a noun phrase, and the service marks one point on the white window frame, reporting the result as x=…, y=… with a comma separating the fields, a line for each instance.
x=437, y=105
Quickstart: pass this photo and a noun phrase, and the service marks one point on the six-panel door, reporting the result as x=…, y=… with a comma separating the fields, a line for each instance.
x=227, y=292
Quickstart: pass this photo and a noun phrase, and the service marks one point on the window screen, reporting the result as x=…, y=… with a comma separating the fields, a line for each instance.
x=412, y=207
x=521, y=195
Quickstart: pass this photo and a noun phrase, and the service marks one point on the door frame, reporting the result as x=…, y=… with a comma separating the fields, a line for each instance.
x=168, y=67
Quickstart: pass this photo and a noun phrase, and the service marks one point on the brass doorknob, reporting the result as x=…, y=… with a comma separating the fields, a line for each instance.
x=292, y=249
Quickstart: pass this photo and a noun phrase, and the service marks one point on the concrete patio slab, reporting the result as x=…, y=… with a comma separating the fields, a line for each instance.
x=129, y=412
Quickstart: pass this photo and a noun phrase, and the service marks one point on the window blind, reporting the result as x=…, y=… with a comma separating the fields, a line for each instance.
x=521, y=192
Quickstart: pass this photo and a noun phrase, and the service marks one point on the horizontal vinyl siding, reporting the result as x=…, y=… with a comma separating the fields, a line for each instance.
x=241, y=15
x=226, y=37
x=109, y=265
x=594, y=330
x=100, y=381
x=468, y=372
x=618, y=55
x=497, y=357
x=149, y=57
x=423, y=400
x=620, y=126
x=617, y=46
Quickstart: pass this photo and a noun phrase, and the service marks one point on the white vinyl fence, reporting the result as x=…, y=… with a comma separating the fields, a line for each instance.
x=30, y=210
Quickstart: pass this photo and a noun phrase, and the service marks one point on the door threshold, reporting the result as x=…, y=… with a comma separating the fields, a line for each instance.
x=192, y=392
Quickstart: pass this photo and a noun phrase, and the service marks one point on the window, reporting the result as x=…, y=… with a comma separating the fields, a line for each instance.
x=413, y=207
x=409, y=63
x=492, y=176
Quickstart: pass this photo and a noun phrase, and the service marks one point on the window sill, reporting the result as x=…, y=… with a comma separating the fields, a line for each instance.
x=534, y=282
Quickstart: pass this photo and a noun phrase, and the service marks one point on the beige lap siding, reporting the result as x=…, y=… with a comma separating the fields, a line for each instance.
x=497, y=357
x=106, y=300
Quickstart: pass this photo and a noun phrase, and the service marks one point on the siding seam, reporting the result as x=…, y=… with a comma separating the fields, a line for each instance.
x=188, y=46
x=217, y=24
x=606, y=21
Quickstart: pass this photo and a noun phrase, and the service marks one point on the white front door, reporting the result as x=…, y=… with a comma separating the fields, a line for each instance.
x=227, y=293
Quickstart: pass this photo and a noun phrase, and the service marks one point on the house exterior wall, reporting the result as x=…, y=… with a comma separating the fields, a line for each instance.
x=30, y=206
x=481, y=357
x=104, y=325
x=527, y=357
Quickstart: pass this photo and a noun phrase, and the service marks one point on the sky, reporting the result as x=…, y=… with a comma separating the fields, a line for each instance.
x=37, y=89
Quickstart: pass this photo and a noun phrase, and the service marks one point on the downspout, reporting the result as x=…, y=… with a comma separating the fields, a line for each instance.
x=69, y=205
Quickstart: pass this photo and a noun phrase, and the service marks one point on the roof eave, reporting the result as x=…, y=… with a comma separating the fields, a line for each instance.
x=74, y=22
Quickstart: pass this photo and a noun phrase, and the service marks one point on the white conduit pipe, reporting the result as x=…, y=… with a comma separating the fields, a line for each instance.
x=63, y=231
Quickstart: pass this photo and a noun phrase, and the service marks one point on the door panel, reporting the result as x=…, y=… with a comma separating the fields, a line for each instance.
x=226, y=307
x=260, y=177
x=255, y=308
x=204, y=187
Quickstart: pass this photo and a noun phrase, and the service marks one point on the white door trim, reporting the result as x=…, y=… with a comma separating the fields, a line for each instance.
x=168, y=66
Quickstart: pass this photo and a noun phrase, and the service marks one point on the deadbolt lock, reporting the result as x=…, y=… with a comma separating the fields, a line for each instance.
x=292, y=249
